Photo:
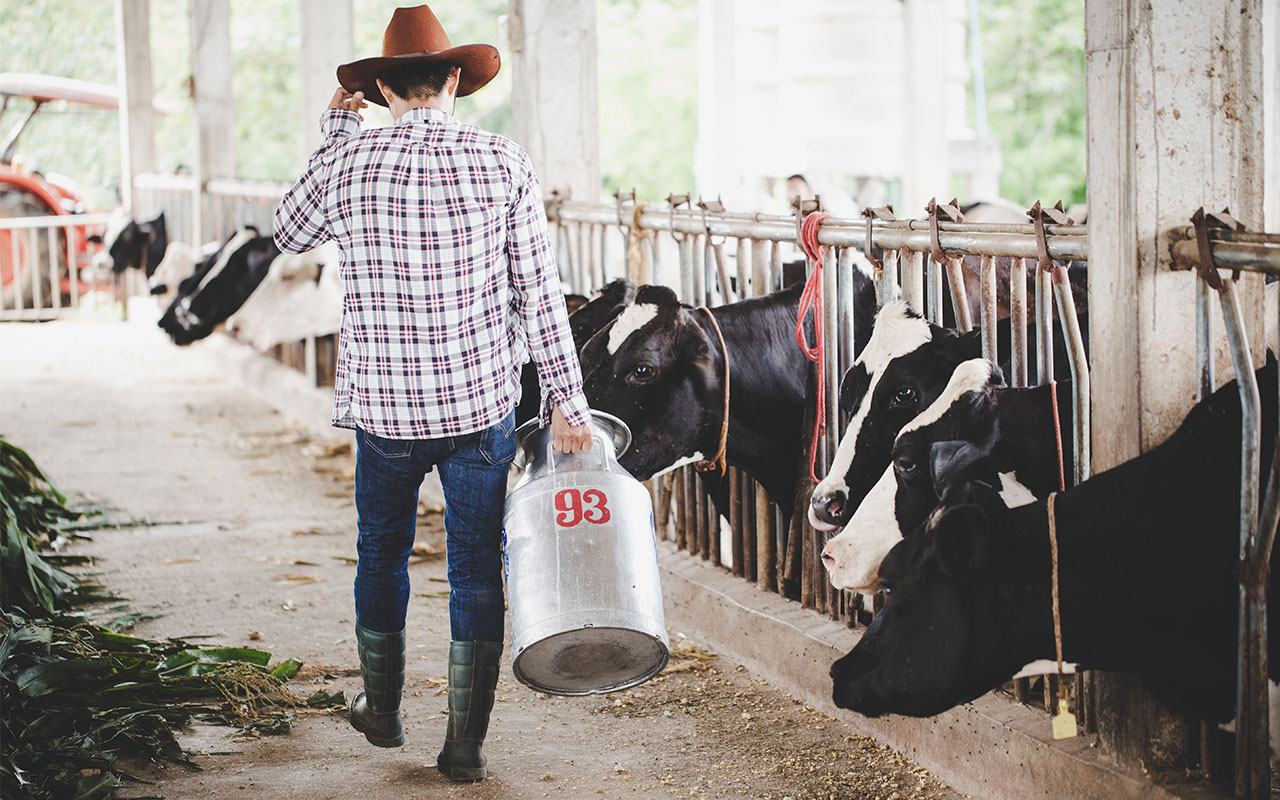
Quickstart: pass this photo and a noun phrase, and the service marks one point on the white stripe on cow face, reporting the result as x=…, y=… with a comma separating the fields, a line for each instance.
x=853, y=557
x=632, y=319
x=897, y=331
x=973, y=375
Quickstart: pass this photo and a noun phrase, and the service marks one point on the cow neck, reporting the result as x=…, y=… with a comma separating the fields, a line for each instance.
x=1025, y=436
x=1147, y=552
x=766, y=409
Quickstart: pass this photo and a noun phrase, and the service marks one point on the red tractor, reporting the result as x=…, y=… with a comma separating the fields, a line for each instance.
x=27, y=193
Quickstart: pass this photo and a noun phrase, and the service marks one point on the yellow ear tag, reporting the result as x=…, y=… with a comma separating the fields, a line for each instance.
x=1064, y=722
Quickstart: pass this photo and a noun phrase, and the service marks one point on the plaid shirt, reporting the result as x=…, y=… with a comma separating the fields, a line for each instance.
x=449, y=281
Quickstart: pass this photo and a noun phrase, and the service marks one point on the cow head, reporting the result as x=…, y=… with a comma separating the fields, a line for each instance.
x=127, y=244
x=655, y=367
x=904, y=367
x=219, y=288
x=961, y=615
x=905, y=492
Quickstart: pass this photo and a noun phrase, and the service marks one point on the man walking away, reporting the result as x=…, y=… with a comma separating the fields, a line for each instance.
x=449, y=285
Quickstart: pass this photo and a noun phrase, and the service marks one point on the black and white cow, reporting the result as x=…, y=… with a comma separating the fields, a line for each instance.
x=660, y=368
x=219, y=287
x=905, y=366
x=1147, y=553
x=586, y=318
x=1004, y=436
x=127, y=244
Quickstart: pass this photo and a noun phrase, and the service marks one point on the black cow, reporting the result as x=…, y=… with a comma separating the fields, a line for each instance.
x=904, y=367
x=660, y=368
x=127, y=244
x=1147, y=554
x=1003, y=436
x=219, y=286
x=586, y=317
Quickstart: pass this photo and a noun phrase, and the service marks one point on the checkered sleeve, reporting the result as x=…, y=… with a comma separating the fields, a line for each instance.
x=299, y=219
x=539, y=301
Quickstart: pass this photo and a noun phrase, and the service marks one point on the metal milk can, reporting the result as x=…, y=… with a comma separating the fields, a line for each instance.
x=581, y=566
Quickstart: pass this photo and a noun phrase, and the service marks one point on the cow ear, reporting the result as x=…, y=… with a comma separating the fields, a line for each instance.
x=960, y=535
x=948, y=461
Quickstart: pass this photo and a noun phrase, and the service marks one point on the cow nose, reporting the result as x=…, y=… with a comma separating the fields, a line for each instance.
x=828, y=561
x=827, y=511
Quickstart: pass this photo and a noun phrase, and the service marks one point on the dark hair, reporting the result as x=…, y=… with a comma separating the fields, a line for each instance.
x=796, y=176
x=418, y=81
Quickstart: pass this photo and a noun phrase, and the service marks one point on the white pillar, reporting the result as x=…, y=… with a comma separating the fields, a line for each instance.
x=926, y=159
x=215, y=131
x=327, y=41
x=1271, y=108
x=133, y=76
x=1174, y=122
x=554, y=93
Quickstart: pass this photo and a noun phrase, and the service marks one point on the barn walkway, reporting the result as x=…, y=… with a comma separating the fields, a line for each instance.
x=236, y=524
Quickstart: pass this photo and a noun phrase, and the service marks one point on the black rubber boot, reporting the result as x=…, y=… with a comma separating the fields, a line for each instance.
x=473, y=677
x=375, y=712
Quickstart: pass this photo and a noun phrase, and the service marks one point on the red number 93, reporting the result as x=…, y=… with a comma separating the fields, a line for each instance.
x=573, y=507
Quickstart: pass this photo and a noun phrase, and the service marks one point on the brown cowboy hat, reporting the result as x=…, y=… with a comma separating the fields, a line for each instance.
x=415, y=36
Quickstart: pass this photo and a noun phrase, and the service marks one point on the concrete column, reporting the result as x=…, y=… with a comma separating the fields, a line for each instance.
x=133, y=75
x=926, y=156
x=327, y=41
x=1271, y=108
x=215, y=131
x=554, y=92
x=1174, y=122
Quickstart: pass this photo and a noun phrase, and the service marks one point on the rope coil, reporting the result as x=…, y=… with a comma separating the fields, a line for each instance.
x=811, y=298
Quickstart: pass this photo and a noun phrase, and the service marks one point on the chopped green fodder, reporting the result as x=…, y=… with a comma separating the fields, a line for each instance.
x=75, y=697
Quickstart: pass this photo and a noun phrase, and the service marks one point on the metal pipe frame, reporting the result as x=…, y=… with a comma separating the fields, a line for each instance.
x=1246, y=257
x=1252, y=727
x=913, y=279
x=1066, y=243
x=1018, y=322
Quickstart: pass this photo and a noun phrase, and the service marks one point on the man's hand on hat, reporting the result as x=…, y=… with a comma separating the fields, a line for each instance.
x=346, y=101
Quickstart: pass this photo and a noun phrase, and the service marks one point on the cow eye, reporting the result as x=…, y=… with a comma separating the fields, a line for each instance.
x=906, y=467
x=643, y=373
x=904, y=395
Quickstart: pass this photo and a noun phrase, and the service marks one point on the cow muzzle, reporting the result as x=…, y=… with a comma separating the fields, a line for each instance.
x=828, y=511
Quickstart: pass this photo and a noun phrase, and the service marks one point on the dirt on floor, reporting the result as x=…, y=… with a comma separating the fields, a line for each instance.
x=235, y=524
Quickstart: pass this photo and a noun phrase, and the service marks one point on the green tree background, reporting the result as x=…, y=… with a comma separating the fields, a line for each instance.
x=1034, y=56
x=1034, y=52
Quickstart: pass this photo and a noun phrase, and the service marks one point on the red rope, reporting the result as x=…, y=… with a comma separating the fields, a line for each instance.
x=812, y=298
x=1057, y=431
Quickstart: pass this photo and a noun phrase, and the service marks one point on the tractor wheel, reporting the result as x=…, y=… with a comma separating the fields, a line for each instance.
x=16, y=290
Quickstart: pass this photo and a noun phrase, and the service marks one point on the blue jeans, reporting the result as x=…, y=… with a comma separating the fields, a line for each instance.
x=473, y=471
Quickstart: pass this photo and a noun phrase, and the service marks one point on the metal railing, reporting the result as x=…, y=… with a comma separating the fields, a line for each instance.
x=1214, y=242
x=45, y=268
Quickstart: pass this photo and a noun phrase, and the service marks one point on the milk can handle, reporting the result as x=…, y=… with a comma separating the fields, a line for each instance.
x=598, y=443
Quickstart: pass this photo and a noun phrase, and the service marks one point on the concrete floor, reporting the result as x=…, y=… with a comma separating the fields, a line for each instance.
x=235, y=523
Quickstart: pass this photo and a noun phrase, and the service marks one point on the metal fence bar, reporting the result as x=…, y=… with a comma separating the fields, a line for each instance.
x=887, y=284
x=959, y=297
x=912, y=262
x=1018, y=322
x=990, y=347
x=933, y=291
x=1044, y=325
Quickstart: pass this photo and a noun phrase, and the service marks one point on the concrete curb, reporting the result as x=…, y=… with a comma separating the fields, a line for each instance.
x=991, y=748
